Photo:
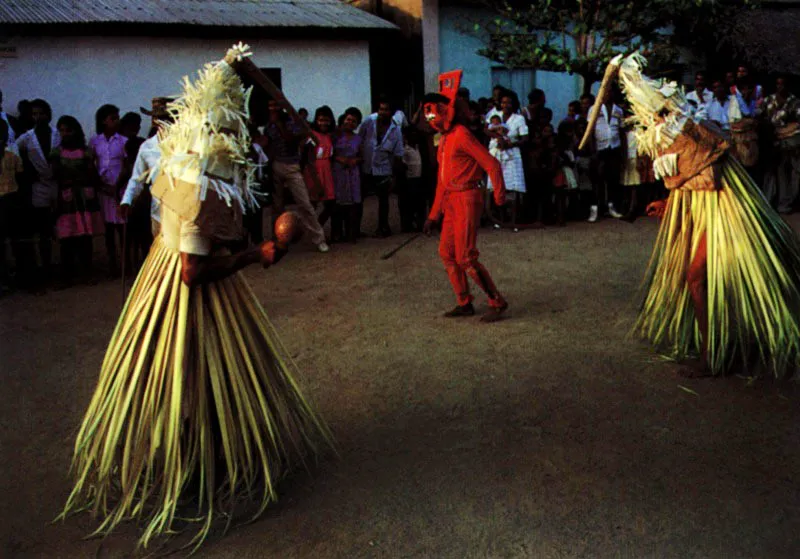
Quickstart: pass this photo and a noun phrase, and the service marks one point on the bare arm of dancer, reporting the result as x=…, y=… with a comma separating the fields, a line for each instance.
x=657, y=208
x=197, y=269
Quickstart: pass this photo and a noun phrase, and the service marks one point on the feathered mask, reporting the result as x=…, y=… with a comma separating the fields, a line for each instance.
x=208, y=141
x=654, y=103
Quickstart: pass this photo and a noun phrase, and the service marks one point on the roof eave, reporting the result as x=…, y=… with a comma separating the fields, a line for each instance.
x=130, y=29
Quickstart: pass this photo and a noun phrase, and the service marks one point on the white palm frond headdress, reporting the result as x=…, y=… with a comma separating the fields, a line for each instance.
x=208, y=141
x=659, y=107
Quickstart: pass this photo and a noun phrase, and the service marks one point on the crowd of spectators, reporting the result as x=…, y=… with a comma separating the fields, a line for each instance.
x=58, y=186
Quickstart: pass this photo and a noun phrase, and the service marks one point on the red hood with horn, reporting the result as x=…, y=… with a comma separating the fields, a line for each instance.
x=449, y=83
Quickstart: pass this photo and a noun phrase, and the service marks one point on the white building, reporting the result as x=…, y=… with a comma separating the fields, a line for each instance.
x=81, y=55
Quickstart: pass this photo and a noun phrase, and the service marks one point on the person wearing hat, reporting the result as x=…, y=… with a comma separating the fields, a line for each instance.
x=146, y=161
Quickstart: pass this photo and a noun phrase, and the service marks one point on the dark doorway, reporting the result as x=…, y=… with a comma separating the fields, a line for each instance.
x=259, y=98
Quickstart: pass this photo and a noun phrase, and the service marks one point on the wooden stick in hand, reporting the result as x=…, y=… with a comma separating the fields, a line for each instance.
x=245, y=67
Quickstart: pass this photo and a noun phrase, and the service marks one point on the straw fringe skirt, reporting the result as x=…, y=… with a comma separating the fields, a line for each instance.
x=753, y=278
x=195, y=397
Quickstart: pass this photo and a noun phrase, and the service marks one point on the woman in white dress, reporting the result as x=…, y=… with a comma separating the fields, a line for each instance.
x=511, y=162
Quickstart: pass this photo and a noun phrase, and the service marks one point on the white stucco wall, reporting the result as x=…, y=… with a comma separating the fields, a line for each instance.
x=77, y=75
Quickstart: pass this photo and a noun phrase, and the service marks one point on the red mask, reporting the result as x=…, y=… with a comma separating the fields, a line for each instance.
x=439, y=116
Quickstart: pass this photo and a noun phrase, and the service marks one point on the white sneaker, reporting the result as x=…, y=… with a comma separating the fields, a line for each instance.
x=592, y=214
x=323, y=247
x=613, y=212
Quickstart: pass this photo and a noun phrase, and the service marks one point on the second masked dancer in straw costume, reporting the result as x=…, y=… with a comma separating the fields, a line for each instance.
x=197, y=397
x=724, y=278
x=459, y=200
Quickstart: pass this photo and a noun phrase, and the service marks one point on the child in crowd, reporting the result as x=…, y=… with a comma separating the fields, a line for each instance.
x=319, y=174
x=573, y=111
x=565, y=179
x=475, y=125
x=302, y=112
x=78, y=216
x=130, y=125
x=545, y=117
x=585, y=158
x=11, y=174
x=637, y=174
x=346, y=177
x=107, y=149
x=497, y=131
x=548, y=166
x=411, y=195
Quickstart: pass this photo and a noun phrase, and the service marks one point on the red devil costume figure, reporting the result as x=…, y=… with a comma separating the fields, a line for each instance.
x=462, y=161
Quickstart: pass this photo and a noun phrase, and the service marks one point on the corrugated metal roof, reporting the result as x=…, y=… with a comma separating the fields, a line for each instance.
x=331, y=14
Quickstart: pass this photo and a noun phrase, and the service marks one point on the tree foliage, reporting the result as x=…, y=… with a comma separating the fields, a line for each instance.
x=581, y=36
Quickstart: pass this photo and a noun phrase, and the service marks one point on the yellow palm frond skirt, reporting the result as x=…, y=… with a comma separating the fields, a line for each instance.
x=196, y=397
x=753, y=278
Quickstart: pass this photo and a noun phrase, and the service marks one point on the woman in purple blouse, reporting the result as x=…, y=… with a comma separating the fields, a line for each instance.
x=346, y=177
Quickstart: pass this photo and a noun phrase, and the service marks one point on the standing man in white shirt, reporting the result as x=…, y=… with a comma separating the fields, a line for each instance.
x=718, y=108
x=41, y=189
x=608, y=151
x=700, y=97
x=146, y=166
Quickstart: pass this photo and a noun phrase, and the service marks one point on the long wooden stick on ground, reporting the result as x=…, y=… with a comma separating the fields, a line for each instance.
x=397, y=248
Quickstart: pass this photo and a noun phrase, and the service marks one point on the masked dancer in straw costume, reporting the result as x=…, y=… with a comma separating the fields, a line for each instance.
x=196, y=398
x=724, y=278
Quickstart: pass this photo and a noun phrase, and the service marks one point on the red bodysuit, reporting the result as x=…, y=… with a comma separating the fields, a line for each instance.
x=462, y=161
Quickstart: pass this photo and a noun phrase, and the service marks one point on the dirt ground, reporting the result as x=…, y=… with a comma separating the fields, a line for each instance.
x=550, y=434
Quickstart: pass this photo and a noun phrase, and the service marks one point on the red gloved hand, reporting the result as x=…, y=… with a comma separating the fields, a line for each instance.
x=429, y=226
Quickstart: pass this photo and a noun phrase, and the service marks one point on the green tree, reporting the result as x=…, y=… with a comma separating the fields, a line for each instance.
x=581, y=36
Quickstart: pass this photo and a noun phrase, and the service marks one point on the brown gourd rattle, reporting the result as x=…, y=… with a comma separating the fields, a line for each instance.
x=287, y=229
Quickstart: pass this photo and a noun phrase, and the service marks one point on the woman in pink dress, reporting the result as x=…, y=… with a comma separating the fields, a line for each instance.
x=107, y=150
x=78, y=215
x=321, y=186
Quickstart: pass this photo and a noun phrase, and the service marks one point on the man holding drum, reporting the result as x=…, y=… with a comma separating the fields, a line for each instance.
x=783, y=113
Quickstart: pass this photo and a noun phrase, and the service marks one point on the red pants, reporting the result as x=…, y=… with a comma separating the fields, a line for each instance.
x=462, y=215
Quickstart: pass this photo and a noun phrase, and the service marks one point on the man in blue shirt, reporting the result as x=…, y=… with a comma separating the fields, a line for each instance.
x=383, y=153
